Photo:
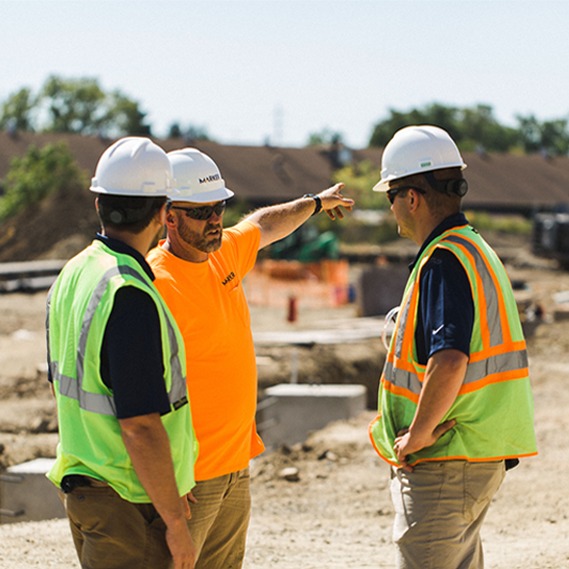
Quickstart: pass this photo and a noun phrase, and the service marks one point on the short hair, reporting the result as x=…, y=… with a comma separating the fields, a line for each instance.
x=438, y=202
x=128, y=213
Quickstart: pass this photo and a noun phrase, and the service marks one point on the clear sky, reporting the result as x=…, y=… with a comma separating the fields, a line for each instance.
x=248, y=71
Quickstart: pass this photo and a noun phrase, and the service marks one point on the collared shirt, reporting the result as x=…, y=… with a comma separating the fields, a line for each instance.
x=445, y=315
x=122, y=247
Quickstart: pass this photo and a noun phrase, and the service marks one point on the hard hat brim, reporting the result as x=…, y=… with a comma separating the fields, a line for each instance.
x=169, y=192
x=383, y=185
x=217, y=195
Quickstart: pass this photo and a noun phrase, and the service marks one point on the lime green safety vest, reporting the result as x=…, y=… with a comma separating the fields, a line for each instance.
x=494, y=406
x=79, y=306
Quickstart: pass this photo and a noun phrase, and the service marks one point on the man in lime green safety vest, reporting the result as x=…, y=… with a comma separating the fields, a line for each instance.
x=455, y=402
x=117, y=366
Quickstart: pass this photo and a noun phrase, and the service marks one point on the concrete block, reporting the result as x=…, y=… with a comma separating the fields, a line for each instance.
x=291, y=411
x=27, y=495
x=561, y=312
x=380, y=289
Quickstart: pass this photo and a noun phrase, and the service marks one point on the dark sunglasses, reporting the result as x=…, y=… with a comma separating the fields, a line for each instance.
x=204, y=212
x=394, y=191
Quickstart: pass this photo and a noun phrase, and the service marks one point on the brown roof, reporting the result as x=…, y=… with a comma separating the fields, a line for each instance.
x=265, y=174
x=506, y=182
x=64, y=223
x=86, y=149
x=259, y=173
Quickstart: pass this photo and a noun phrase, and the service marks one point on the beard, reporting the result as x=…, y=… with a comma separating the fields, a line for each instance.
x=206, y=241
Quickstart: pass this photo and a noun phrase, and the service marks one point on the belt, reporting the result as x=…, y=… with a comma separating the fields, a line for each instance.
x=72, y=481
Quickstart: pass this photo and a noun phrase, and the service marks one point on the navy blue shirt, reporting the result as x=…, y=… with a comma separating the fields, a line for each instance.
x=131, y=353
x=445, y=315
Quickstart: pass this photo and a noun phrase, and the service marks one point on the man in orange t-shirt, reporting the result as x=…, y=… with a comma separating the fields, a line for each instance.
x=199, y=271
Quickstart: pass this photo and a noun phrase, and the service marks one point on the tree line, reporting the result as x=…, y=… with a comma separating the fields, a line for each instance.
x=82, y=106
x=476, y=128
x=73, y=106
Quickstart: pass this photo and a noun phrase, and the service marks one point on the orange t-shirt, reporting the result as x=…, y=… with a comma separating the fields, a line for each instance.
x=209, y=305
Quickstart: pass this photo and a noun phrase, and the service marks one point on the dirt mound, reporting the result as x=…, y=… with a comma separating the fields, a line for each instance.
x=57, y=228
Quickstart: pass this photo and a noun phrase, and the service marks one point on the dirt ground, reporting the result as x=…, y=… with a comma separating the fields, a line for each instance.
x=338, y=514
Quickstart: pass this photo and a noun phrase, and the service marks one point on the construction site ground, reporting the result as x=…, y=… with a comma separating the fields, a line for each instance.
x=338, y=513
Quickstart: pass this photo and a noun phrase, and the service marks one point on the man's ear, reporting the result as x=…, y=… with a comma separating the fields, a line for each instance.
x=97, y=203
x=162, y=214
x=413, y=200
x=170, y=219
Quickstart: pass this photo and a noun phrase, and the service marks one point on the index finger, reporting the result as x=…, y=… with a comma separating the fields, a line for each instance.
x=186, y=506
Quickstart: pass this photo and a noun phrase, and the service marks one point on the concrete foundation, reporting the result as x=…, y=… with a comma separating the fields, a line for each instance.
x=291, y=411
x=380, y=289
x=27, y=495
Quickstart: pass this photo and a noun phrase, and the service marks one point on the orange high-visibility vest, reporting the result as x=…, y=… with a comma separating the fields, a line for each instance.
x=494, y=406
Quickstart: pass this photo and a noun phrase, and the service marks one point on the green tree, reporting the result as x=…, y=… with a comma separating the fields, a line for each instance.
x=555, y=137
x=37, y=174
x=359, y=179
x=189, y=133
x=469, y=127
x=175, y=131
x=125, y=116
x=362, y=225
x=549, y=136
x=73, y=105
x=194, y=132
x=479, y=127
x=17, y=109
x=325, y=136
x=436, y=114
x=81, y=106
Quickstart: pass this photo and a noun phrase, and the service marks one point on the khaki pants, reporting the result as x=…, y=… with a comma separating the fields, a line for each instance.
x=439, y=509
x=220, y=520
x=111, y=533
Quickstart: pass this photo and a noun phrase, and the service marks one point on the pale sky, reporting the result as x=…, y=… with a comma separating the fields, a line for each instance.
x=283, y=69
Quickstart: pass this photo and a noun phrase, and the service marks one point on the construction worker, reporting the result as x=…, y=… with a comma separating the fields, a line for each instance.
x=117, y=366
x=199, y=270
x=455, y=403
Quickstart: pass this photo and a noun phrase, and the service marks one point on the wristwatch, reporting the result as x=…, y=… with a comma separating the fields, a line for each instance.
x=317, y=200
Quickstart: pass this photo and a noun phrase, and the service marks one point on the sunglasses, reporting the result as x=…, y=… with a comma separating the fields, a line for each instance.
x=394, y=191
x=204, y=212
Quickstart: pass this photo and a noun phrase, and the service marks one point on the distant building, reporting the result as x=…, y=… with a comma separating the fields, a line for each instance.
x=265, y=174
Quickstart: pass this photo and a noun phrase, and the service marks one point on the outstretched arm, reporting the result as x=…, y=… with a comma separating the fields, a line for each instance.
x=278, y=221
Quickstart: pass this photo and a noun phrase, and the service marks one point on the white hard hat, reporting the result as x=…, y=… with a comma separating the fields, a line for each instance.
x=198, y=178
x=417, y=149
x=134, y=166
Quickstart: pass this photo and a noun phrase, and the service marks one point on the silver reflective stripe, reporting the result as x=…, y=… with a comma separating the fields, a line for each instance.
x=476, y=371
x=496, y=364
x=402, y=378
x=86, y=325
x=93, y=402
x=104, y=404
x=402, y=324
x=492, y=304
